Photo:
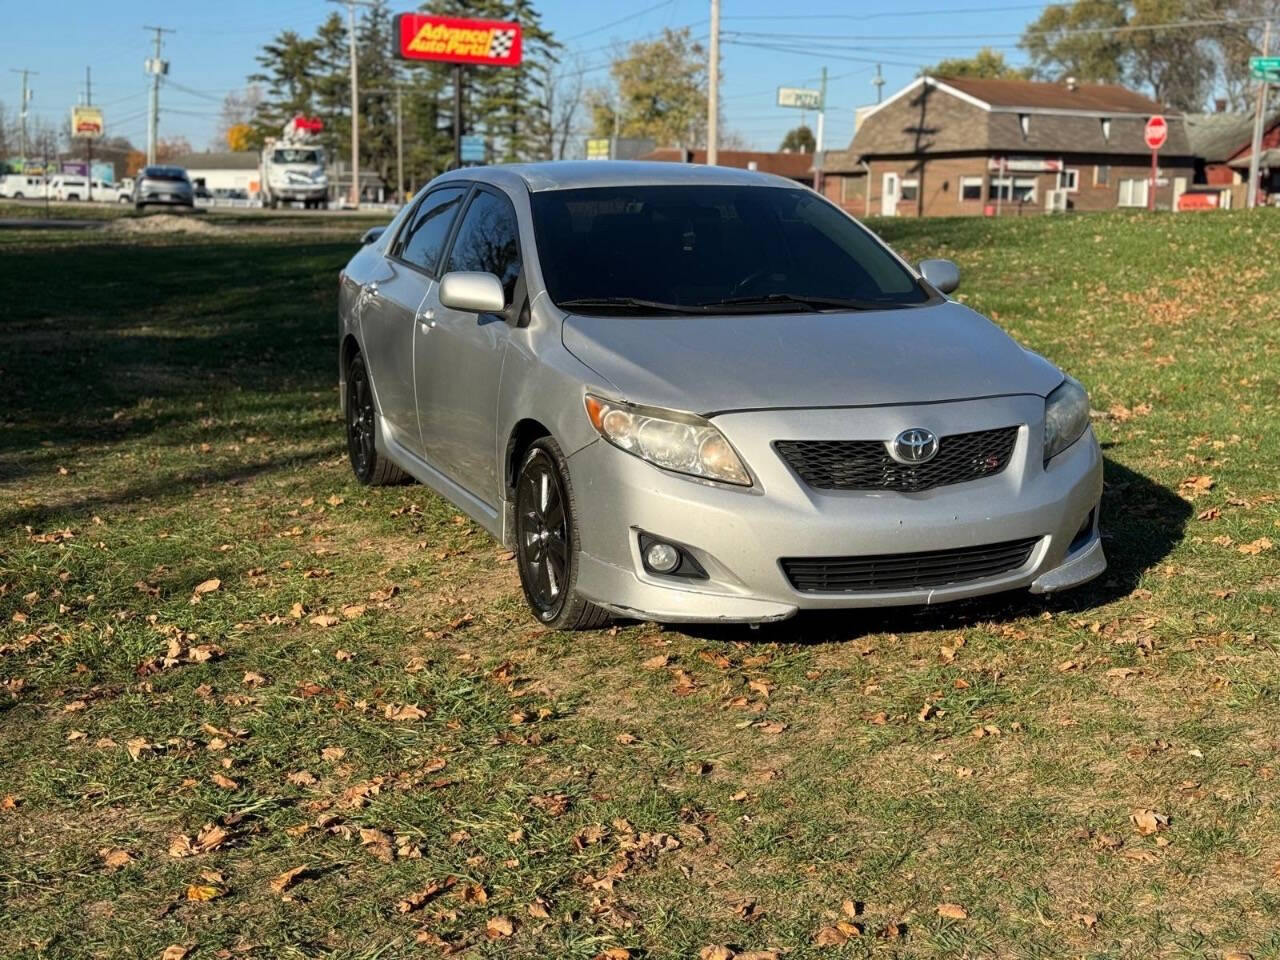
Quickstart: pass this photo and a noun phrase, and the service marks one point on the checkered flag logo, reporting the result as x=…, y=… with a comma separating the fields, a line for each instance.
x=501, y=42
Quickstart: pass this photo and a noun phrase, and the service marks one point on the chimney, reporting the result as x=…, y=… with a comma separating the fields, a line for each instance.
x=1071, y=84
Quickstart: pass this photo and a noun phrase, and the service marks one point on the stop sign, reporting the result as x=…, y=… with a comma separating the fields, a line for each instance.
x=1156, y=132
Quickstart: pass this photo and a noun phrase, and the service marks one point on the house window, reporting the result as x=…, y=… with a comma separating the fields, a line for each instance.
x=1101, y=175
x=1024, y=121
x=971, y=188
x=1069, y=180
x=910, y=191
x=1014, y=189
x=1106, y=128
x=1133, y=192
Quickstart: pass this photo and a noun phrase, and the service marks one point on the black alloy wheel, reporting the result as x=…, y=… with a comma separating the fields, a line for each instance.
x=367, y=464
x=546, y=542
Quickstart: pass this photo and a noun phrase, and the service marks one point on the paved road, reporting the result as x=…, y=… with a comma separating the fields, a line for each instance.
x=13, y=223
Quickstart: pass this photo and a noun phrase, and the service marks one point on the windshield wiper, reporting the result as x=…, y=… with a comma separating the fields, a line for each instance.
x=804, y=300
x=632, y=302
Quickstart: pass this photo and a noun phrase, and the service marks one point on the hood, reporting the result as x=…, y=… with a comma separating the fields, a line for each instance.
x=715, y=364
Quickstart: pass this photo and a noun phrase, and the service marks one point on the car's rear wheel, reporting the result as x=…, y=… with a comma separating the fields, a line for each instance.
x=547, y=542
x=369, y=466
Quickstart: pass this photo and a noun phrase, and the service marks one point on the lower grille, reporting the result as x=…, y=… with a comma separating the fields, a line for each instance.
x=866, y=464
x=906, y=571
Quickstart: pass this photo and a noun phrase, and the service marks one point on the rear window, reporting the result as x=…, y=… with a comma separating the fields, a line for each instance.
x=164, y=173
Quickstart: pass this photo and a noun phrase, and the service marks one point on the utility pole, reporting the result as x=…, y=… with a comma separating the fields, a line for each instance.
x=878, y=83
x=457, y=116
x=713, y=88
x=617, y=123
x=88, y=141
x=1258, y=117
x=819, y=159
x=355, y=96
x=22, y=112
x=400, y=145
x=156, y=67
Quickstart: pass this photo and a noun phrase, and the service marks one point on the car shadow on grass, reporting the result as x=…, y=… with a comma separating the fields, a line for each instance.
x=1142, y=521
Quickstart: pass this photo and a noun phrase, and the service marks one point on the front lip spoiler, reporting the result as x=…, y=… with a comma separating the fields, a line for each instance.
x=1080, y=568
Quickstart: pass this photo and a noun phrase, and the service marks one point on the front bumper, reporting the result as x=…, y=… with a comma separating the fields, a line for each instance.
x=738, y=535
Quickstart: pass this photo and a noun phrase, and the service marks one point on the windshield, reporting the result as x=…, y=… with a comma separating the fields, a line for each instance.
x=699, y=246
x=295, y=155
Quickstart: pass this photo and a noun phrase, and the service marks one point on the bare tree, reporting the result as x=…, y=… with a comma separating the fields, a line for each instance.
x=238, y=109
x=564, y=100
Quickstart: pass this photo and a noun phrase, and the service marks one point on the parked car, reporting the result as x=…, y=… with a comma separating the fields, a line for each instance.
x=65, y=186
x=124, y=190
x=18, y=186
x=163, y=185
x=696, y=393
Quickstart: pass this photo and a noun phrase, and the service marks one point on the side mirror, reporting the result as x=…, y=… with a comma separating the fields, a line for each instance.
x=372, y=234
x=943, y=274
x=473, y=292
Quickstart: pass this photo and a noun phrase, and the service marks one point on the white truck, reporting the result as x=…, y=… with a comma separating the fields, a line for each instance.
x=293, y=166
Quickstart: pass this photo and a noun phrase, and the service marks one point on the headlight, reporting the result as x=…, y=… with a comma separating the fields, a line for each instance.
x=674, y=441
x=1066, y=414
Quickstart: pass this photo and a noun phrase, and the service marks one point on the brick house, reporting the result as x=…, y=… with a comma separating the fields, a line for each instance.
x=962, y=145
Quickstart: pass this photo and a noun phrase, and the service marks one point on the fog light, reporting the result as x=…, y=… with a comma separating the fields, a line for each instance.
x=661, y=557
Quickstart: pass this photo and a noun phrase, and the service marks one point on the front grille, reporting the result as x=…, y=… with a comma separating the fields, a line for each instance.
x=906, y=571
x=866, y=464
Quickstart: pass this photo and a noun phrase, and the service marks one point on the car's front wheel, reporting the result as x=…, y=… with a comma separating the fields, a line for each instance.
x=547, y=542
x=369, y=466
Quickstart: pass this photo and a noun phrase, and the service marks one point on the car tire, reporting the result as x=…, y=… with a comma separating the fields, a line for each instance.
x=370, y=467
x=547, y=542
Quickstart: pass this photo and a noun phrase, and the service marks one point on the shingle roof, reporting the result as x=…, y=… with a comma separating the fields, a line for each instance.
x=1215, y=137
x=797, y=166
x=1032, y=96
x=217, y=160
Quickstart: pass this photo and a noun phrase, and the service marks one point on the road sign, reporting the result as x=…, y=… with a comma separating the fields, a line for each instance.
x=1265, y=68
x=1156, y=132
x=799, y=97
x=472, y=148
x=494, y=43
x=86, y=123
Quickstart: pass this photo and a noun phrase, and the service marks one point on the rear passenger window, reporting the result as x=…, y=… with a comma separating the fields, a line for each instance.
x=487, y=241
x=423, y=239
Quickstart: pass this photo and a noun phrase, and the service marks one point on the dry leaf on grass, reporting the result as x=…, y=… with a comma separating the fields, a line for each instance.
x=287, y=879
x=114, y=858
x=716, y=952
x=952, y=911
x=203, y=892
x=325, y=620
x=499, y=927
x=226, y=783
x=1148, y=822
x=174, y=952
x=838, y=934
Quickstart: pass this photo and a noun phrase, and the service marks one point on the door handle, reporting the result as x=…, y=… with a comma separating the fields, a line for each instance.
x=427, y=318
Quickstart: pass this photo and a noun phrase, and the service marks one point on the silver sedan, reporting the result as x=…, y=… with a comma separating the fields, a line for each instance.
x=689, y=393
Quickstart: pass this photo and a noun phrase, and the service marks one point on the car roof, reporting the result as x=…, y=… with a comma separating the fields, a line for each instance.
x=569, y=175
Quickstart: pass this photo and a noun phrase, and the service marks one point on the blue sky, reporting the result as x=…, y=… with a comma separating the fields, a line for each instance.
x=213, y=51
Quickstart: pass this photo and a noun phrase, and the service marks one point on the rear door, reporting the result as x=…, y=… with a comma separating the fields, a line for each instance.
x=390, y=304
x=458, y=355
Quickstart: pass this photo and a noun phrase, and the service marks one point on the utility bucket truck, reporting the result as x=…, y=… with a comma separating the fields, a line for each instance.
x=293, y=166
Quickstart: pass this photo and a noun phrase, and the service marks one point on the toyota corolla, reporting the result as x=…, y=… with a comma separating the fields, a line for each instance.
x=689, y=393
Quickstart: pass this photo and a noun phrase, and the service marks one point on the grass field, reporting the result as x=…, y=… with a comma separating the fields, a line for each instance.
x=248, y=708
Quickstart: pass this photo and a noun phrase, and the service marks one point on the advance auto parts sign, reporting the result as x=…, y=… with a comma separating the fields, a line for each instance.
x=421, y=36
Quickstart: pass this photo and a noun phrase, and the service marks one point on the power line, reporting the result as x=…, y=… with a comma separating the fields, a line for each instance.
x=614, y=23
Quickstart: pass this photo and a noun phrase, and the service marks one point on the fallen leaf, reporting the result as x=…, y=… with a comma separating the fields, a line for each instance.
x=1148, y=822
x=952, y=911
x=226, y=783
x=1086, y=920
x=207, y=586
x=716, y=952
x=838, y=934
x=287, y=879
x=656, y=663
x=333, y=754
x=406, y=712
x=499, y=927
x=613, y=953
x=325, y=620
x=115, y=858
x=174, y=952
x=1256, y=547
x=203, y=892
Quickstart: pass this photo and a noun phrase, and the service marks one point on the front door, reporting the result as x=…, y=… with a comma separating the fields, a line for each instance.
x=891, y=190
x=392, y=303
x=457, y=355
